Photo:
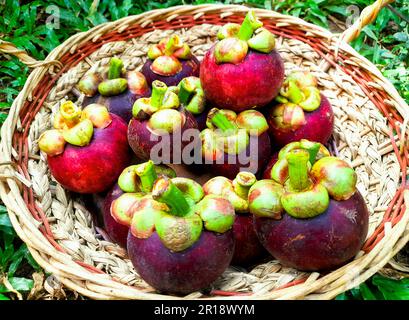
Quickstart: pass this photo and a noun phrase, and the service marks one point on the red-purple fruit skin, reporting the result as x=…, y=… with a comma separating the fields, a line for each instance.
x=181, y=272
x=142, y=140
x=320, y=243
x=120, y=104
x=116, y=231
x=201, y=120
x=190, y=67
x=319, y=125
x=248, y=248
x=254, y=82
x=231, y=165
x=95, y=167
x=270, y=165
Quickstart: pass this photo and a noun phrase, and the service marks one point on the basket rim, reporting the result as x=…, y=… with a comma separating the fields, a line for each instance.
x=151, y=16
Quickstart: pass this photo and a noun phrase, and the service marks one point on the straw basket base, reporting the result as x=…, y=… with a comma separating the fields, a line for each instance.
x=361, y=138
x=60, y=232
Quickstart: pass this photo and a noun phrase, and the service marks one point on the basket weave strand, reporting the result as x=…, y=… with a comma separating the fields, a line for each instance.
x=59, y=231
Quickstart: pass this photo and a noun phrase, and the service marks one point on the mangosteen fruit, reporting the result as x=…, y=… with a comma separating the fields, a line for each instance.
x=87, y=149
x=181, y=241
x=279, y=172
x=316, y=219
x=302, y=112
x=117, y=89
x=170, y=61
x=160, y=125
x=248, y=249
x=134, y=182
x=232, y=143
x=242, y=70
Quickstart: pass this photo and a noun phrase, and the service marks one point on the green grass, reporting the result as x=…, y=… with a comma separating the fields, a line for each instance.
x=385, y=43
x=16, y=262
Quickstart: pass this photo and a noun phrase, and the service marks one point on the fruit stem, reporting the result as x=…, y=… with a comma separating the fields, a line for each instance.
x=291, y=91
x=165, y=191
x=147, y=174
x=298, y=169
x=115, y=68
x=172, y=44
x=158, y=92
x=249, y=25
x=185, y=92
x=242, y=183
x=222, y=122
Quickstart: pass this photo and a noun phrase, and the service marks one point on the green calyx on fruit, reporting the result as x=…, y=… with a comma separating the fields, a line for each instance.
x=81, y=134
x=308, y=176
x=122, y=207
x=178, y=233
x=230, y=50
x=160, y=109
x=191, y=95
x=178, y=210
x=138, y=178
x=144, y=214
x=235, y=191
x=265, y=199
x=302, y=198
x=98, y=114
x=229, y=132
x=235, y=40
x=137, y=83
x=336, y=176
x=288, y=116
x=52, y=142
x=109, y=80
x=253, y=121
x=166, y=55
x=115, y=83
x=112, y=87
x=298, y=94
x=279, y=172
x=74, y=126
x=216, y=212
x=189, y=187
x=88, y=85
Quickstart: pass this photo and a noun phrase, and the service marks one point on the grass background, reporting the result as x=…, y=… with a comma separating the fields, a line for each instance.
x=385, y=43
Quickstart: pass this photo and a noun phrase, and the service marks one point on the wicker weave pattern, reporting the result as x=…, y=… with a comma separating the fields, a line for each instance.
x=52, y=222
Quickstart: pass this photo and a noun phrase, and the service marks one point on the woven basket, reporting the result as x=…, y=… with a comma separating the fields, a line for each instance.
x=370, y=130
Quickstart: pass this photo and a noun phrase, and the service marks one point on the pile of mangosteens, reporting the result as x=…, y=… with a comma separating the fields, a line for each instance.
x=142, y=143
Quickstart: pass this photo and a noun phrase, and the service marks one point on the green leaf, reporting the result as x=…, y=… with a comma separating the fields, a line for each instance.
x=3, y=297
x=19, y=284
x=342, y=296
x=366, y=293
x=401, y=36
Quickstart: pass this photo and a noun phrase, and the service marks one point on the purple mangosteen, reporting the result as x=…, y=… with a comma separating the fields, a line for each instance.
x=84, y=145
x=116, y=89
x=242, y=70
x=232, y=143
x=303, y=112
x=170, y=61
x=181, y=241
x=134, y=182
x=159, y=125
x=311, y=216
x=248, y=248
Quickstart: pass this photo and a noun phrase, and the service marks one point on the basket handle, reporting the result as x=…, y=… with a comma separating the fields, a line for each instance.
x=368, y=15
x=9, y=48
